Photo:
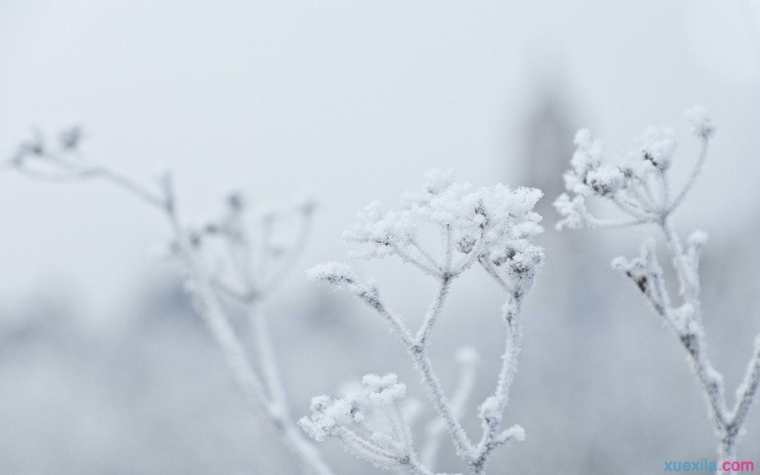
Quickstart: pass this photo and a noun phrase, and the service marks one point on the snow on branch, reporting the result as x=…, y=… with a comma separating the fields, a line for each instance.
x=640, y=189
x=491, y=228
x=369, y=423
x=468, y=359
x=638, y=185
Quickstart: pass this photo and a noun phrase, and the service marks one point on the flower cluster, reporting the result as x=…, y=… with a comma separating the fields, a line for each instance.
x=493, y=220
x=367, y=420
x=638, y=185
x=517, y=259
x=656, y=149
x=384, y=390
x=329, y=414
x=701, y=123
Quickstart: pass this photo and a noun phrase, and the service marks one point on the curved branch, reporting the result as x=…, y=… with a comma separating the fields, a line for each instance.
x=692, y=177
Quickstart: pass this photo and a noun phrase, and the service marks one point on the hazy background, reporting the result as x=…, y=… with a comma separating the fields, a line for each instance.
x=104, y=368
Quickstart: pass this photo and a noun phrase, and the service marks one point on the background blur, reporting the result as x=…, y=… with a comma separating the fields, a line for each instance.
x=104, y=367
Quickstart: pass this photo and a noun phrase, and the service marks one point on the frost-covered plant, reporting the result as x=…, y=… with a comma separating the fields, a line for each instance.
x=359, y=420
x=491, y=228
x=640, y=189
x=231, y=260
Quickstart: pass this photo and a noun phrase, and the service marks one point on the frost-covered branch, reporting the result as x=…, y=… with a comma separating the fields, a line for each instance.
x=492, y=409
x=704, y=129
x=640, y=189
x=247, y=283
x=368, y=423
x=492, y=227
x=468, y=359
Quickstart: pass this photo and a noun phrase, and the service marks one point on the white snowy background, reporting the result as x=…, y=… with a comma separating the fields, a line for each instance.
x=104, y=368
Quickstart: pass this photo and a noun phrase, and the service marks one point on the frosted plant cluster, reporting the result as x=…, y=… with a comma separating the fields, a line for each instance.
x=231, y=261
x=353, y=419
x=490, y=228
x=641, y=192
x=236, y=259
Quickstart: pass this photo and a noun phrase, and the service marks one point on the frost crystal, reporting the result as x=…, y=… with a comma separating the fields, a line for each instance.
x=438, y=180
x=572, y=210
x=327, y=415
x=335, y=273
x=658, y=146
x=489, y=409
x=701, y=123
x=379, y=231
x=352, y=420
x=516, y=432
x=384, y=390
x=637, y=185
x=491, y=216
